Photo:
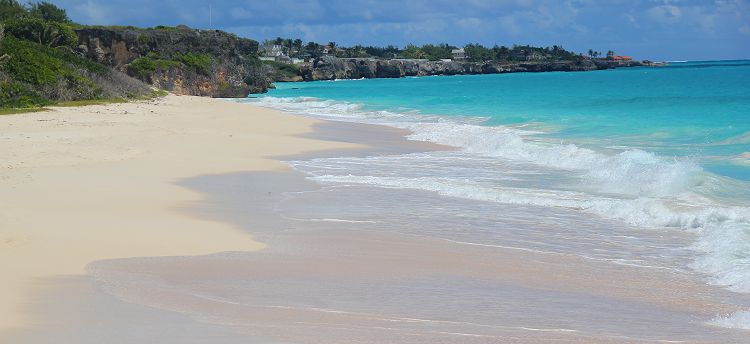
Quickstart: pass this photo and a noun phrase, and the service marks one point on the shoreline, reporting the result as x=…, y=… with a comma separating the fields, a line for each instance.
x=82, y=184
x=284, y=291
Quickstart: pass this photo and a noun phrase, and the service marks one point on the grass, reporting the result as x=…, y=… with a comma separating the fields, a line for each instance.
x=87, y=102
x=153, y=95
x=13, y=111
x=19, y=110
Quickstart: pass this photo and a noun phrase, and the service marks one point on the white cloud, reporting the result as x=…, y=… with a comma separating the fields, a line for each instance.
x=94, y=12
x=666, y=13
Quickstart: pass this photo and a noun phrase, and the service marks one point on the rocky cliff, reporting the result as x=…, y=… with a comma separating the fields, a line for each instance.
x=329, y=68
x=181, y=60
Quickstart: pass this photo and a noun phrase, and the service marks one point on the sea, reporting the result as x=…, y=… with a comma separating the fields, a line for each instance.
x=644, y=167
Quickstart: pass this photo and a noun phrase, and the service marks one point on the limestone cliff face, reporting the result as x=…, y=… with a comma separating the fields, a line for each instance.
x=233, y=71
x=329, y=68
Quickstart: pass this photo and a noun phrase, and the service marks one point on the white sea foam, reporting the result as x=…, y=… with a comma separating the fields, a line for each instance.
x=739, y=320
x=634, y=186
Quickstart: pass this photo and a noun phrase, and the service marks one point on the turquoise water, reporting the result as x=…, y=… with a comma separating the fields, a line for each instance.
x=655, y=151
x=694, y=109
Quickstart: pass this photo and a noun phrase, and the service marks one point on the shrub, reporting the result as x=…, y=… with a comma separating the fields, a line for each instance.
x=49, y=12
x=11, y=9
x=199, y=63
x=51, y=34
x=145, y=66
x=284, y=69
x=28, y=63
x=16, y=95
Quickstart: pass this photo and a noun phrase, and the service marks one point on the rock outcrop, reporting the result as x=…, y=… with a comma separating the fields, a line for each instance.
x=329, y=68
x=233, y=71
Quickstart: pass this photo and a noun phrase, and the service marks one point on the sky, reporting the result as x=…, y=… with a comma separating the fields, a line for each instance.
x=670, y=30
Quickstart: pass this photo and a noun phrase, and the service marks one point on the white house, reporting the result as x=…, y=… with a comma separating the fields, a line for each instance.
x=272, y=50
x=458, y=54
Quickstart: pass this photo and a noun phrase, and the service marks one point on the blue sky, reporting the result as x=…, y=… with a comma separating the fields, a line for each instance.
x=646, y=29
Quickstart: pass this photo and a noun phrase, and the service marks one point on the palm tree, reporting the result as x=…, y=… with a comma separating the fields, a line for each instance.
x=591, y=52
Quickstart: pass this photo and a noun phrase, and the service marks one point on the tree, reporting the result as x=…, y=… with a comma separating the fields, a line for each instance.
x=297, y=44
x=502, y=53
x=591, y=52
x=51, y=34
x=313, y=49
x=478, y=53
x=11, y=9
x=288, y=46
x=610, y=54
x=413, y=52
x=437, y=52
x=49, y=12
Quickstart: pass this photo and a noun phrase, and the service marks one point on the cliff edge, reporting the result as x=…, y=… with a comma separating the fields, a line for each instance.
x=329, y=68
x=179, y=59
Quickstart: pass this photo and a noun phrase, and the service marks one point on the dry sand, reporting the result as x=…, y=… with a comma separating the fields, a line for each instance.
x=89, y=183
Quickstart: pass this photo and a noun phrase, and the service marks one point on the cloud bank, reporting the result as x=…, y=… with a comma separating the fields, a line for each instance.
x=655, y=29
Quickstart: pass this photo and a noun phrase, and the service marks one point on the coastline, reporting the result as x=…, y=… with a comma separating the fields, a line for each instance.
x=88, y=183
x=326, y=278
x=333, y=279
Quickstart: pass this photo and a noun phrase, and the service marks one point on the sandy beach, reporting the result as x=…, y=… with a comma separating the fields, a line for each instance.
x=82, y=184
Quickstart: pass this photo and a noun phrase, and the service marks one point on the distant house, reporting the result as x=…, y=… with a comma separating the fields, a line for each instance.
x=272, y=50
x=527, y=55
x=622, y=58
x=458, y=54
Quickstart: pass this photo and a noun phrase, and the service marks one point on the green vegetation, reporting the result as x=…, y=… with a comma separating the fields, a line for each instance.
x=433, y=52
x=284, y=70
x=51, y=34
x=85, y=102
x=17, y=95
x=11, y=9
x=13, y=111
x=199, y=63
x=48, y=12
x=38, y=66
x=145, y=66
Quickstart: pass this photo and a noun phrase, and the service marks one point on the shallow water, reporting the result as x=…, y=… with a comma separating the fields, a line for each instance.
x=620, y=156
x=348, y=264
x=367, y=264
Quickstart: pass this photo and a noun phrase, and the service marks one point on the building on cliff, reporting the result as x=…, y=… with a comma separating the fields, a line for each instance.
x=271, y=50
x=458, y=54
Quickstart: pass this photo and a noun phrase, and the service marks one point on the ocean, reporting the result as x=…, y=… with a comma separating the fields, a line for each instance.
x=644, y=167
